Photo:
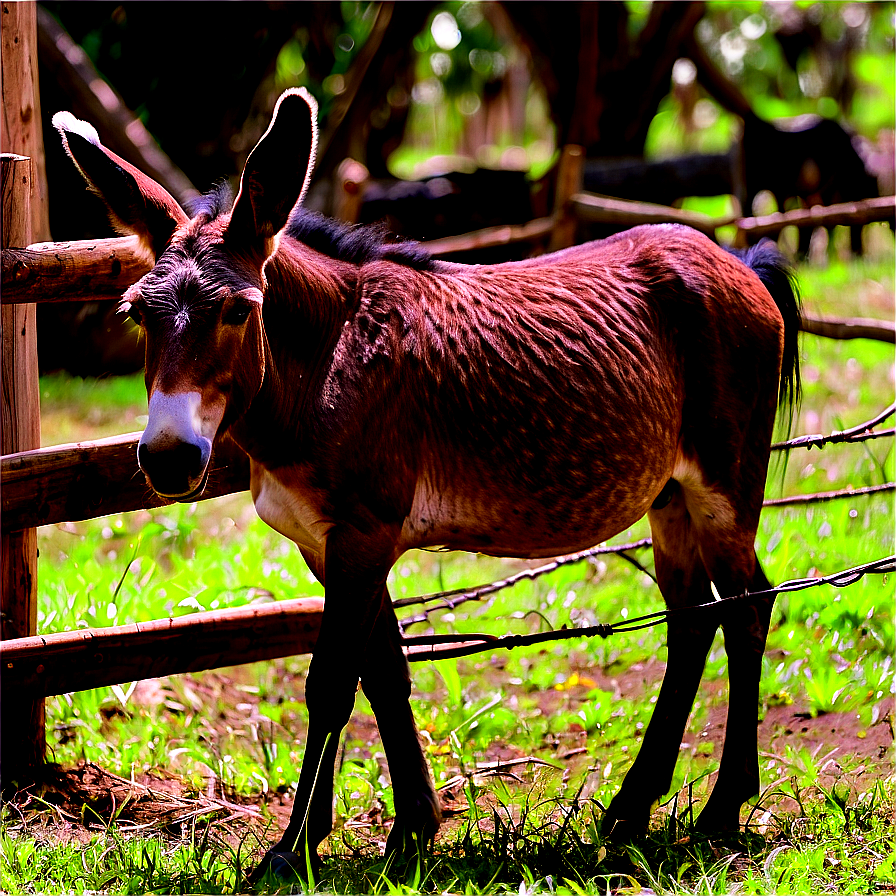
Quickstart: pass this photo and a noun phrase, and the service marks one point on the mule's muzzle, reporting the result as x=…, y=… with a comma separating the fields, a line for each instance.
x=177, y=470
x=172, y=452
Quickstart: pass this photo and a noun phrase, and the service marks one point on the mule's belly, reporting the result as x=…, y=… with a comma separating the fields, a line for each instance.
x=506, y=522
x=290, y=507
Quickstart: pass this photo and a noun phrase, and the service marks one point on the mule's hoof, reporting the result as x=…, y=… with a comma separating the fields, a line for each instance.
x=718, y=821
x=404, y=848
x=284, y=867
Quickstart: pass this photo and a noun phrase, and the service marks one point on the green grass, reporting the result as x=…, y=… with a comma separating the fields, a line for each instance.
x=576, y=709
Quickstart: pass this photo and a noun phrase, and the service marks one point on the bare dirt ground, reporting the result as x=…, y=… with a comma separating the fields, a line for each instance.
x=70, y=803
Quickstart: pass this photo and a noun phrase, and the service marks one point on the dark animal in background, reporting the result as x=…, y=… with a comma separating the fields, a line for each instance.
x=661, y=181
x=815, y=160
x=449, y=204
x=389, y=401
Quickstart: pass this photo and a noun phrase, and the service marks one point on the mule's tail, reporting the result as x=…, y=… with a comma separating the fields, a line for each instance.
x=779, y=279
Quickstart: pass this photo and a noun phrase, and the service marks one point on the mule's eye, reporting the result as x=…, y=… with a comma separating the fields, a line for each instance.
x=237, y=314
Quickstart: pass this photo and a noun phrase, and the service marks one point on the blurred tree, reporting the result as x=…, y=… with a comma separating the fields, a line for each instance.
x=605, y=73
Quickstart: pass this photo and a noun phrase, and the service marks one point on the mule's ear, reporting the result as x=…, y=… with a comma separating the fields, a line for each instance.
x=136, y=203
x=277, y=171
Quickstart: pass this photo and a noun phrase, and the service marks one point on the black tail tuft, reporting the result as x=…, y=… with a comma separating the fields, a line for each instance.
x=780, y=280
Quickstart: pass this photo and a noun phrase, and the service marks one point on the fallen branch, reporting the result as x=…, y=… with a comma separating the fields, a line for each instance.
x=850, y=328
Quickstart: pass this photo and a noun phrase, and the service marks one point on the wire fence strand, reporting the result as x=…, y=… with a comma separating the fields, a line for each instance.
x=469, y=643
x=860, y=433
x=451, y=599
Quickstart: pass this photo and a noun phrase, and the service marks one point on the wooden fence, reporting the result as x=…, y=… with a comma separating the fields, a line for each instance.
x=79, y=481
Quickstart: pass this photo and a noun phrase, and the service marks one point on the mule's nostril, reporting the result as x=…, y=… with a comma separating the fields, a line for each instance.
x=175, y=468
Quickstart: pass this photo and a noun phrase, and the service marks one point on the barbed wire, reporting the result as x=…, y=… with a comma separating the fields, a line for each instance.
x=470, y=643
x=860, y=433
x=821, y=497
x=450, y=600
x=454, y=598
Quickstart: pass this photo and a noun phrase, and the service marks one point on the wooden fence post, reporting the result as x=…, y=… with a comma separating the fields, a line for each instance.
x=22, y=735
x=570, y=174
x=21, y=128
x=25, y=220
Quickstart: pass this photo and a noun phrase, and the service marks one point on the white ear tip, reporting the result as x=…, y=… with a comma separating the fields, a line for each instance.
x=303, y=93
x=65, y=121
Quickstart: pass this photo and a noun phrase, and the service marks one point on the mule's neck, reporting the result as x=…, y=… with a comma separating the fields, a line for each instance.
x=308, y=297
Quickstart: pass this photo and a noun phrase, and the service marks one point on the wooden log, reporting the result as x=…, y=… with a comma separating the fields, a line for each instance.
x=77, y=271
x=22, y=735
x=21, y=130
x=95, y=100
x=850, y=328
x=866, y=211
x=570, y=175
x=90, y=658
x=490, y=237
x=89, y=479
x=606, y=210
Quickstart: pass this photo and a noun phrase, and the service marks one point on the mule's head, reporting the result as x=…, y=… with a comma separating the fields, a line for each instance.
x=201, y=305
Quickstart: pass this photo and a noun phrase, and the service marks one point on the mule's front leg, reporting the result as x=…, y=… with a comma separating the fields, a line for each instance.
x=355, y=571
x=387, y=683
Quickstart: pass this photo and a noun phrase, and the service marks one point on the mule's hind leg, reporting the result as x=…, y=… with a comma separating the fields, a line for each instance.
x=725, y=519
x=745, y=626
x=683, y=581
x=386, y=681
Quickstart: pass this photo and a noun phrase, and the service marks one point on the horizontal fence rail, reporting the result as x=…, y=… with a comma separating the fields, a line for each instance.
x=89, y=479
x=868, y=211
x=91, y=270
x=79, y=271
x=44, y=665
x=93, y=658
x=849, y=328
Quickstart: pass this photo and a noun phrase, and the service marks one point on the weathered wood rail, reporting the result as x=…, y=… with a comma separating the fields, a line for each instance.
x=84, y=480
x=78, y=271
x=75, y=661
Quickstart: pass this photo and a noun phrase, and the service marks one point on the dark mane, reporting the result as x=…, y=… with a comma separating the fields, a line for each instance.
x=357, y=244
x=344, y=242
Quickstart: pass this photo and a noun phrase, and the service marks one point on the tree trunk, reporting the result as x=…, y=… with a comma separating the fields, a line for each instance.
x=604, y=86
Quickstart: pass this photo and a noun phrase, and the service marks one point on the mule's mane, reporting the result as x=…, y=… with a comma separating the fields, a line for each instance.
x=343, y=242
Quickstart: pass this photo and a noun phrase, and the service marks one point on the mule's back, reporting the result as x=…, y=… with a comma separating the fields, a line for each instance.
x=547, y=403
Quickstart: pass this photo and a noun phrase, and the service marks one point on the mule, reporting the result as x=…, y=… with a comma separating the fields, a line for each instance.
x=391, y=401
